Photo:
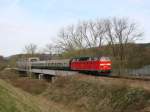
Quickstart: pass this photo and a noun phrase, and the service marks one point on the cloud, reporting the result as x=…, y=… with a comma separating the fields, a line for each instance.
x=38, y=21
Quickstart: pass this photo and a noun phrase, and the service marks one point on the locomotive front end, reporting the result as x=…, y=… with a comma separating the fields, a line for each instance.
x=105, y=65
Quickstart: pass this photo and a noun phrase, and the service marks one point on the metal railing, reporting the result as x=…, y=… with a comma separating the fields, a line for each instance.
x=144, y=71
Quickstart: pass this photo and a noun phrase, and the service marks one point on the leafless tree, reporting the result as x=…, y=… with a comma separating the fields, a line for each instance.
x=64, y=41
x=117, y=33
x=86, y=34
x=97, y=31
x=49, y=49
x=30, y=49
x=120, y=32
x=69, y=39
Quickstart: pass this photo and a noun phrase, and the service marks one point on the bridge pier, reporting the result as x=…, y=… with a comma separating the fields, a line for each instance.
x=49, y=75
x=53, y=79
x=40, y=76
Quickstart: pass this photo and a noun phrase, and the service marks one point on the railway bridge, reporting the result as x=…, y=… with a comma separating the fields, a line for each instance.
x=45, y=73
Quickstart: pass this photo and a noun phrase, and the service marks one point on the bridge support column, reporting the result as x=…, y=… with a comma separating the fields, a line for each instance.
x=40, y=76
x=53, y=79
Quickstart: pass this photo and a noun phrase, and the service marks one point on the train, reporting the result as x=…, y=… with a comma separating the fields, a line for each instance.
x=99, y=65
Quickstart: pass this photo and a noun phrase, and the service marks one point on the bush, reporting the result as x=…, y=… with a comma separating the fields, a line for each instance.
x=92, y=96
x=33, y=86
x=2, y=65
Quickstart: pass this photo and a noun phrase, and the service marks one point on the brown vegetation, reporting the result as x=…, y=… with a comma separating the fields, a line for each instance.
x=33, y=86
x=86, y=94
x=91, y=95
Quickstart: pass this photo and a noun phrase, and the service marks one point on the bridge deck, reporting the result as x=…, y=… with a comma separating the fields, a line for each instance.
x=49, y=72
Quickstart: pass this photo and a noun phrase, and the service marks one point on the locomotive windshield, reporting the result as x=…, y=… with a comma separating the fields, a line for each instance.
x=104, y=59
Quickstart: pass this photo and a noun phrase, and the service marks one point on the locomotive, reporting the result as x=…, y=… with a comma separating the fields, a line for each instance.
x=82, y=64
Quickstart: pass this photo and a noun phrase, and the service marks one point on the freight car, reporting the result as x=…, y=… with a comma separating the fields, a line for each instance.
x=86, y=64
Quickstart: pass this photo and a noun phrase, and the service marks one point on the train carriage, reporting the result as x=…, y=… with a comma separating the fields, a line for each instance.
x=63, y=64
x=88, y=64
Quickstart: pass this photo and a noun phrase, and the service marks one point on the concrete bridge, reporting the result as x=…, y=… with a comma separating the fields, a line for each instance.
x=45, y=73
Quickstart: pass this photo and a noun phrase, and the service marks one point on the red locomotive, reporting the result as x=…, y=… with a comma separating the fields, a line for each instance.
x=91, y=64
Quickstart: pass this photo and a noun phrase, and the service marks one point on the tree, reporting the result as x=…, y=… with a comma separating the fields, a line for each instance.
x=86, y=34
x=115, y=33
x=1, y=58
x=49, y=49
x=30, y=49
x=119, y=33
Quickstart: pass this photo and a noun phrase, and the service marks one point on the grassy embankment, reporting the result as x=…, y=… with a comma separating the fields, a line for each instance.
x=76, y=94
x=27, y=84
x=16, y=100
x=91, y=95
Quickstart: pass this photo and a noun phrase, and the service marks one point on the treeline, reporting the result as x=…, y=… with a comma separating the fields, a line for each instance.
x=3, y=63
x=113, y=37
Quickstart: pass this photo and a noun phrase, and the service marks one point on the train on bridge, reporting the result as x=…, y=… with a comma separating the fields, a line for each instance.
x=99, y=65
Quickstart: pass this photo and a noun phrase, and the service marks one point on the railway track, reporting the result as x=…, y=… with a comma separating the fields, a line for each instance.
x=140, y=78
x=146, y=78
x=132, y=78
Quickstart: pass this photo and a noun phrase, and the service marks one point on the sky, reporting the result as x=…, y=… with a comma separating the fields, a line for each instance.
x=39, y=21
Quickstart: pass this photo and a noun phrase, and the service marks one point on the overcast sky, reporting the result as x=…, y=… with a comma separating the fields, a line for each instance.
x=39, y=21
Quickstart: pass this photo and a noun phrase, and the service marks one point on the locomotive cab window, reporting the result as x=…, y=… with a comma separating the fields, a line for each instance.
x=104, y=59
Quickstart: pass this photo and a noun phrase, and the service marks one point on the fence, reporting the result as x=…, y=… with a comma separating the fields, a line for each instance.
x=144, y=71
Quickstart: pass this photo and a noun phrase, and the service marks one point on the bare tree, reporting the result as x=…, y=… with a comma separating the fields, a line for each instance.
x=87, y=34
x=117, y=33
x=49, y=49
x=69, y=39
x=120, y=32
x=97, y=31
x=30, y=49
x=64, y=41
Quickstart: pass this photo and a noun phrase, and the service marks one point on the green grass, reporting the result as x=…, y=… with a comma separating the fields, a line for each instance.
x=13, y=100
x=16, y=100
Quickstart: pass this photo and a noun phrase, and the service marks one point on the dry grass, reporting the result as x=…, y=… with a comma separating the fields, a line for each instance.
x=91, y=95
x=33, y=86
x=85, y=94
x=15, y=100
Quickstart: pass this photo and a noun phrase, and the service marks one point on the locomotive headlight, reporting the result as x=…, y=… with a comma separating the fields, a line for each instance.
x=108, y=64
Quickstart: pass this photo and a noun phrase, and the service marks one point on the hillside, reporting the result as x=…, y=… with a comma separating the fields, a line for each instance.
x=98, y=95
x=147, y=45
x=73, y=94
x=16, y=100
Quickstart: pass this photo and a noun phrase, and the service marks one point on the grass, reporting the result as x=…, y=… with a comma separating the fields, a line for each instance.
x=33, y=86
x=92, y=96
x=71, y=94
x=3, y=65
x=15, y=100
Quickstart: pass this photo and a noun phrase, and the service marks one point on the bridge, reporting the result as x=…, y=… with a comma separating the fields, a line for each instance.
x=46, y=73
